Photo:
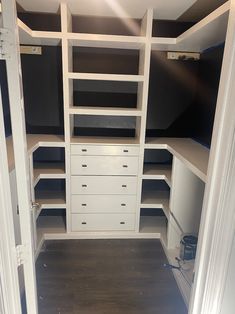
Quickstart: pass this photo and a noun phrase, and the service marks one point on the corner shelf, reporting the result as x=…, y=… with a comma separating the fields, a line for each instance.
x=51, y=199
x=156, y=199
x=52, y=170
x=157, y=172
x=153, y=224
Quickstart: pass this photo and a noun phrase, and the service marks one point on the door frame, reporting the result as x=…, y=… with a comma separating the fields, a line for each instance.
x=15, y=90
x=218, y=215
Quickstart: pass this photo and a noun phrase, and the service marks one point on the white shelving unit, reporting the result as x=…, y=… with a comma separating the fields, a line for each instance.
x=191, y=156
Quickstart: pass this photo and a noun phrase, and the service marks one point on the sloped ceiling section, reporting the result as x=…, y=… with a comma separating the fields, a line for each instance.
x=163, y=9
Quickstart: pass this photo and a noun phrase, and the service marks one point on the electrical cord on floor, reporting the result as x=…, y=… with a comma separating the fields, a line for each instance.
x=179, y=268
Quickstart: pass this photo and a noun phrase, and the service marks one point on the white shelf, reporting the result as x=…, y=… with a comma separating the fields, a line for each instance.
x=106, y=111
x=106, y=41
x=192, y=154
x=48, y=171
x=30, y=37
x=157, y=172
x=163, y=43
x=153, y=224
x=44, y=140
x=156, y=199
x=50, y=199
x=50, y=225
x=208, y=33
x=101, y=140
x=106, y=77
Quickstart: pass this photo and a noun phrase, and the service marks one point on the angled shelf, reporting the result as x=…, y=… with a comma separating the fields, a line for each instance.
x=105, y=111
x=157, y=172
x=50, y=199
x=192, y=154
x=209, y=32
x=156, y=199
x=153, y=225
x=106, y=77
x=106, y=41
x=52, y=170
x=44, y=140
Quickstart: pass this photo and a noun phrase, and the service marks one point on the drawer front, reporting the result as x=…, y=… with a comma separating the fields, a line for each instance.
x=97, y=150
x=103, y=203
x=103, y=222
x=103, y=185
x=104, y=165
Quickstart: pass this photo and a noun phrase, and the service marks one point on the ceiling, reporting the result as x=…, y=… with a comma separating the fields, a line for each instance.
x=200, y=9
x=164, y=9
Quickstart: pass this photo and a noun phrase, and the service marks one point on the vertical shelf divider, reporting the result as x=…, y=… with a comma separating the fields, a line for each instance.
x=144, y=68
x=66, y=26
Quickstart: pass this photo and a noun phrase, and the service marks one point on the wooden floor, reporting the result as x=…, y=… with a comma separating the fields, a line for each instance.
x=106, y=277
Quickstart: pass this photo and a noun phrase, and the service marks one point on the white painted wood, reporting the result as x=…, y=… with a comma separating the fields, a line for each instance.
x=106, y=77
x=174, y=234
x=48, y=171
x=157, y=172
x=192, y=154
x=14, y=77
x=153, y=225
x=103, y=150
x=106, y=111
x=103, y=185
x=187, y=195
x=105, y=41
x=218, y=215
x=156, y=199
x=98, y=140
x=209, y=32
x=165, y=9
x=103, y=204
x=9, y=282
x=103, y=222
x=163, y=44
x=104, y=165
x=51, y=199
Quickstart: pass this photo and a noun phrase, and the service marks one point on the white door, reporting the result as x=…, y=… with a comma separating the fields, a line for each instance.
x=11, y=49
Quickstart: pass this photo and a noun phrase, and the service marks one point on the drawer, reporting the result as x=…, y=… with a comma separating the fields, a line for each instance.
x=103, y=222
x=103, y=185
x=77, y=149
x=103, y=203
x=104, y=165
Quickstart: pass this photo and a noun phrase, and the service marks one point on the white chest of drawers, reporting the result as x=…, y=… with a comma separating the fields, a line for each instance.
x=103, y=187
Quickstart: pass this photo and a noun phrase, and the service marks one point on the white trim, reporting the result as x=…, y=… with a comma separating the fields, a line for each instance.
x=9, y=280
x=16, y=99
x=218, y=217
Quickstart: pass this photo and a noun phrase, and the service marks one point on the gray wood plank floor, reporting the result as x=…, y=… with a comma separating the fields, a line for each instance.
x=106, y=277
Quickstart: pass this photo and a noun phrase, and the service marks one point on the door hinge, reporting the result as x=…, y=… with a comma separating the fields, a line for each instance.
x=6, y=43
x=20, y=254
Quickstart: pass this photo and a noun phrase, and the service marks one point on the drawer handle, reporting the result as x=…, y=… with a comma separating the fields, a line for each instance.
x=84, y=150
x=125, y=151
x=124, y=186
x=83, y=223
x=122, y=223
x=123, y=204
x=84, y=185
x=84, y=166
x=84, y=205
x=125, y=166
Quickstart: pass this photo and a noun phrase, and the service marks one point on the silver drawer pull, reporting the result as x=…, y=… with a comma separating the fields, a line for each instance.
x=84, y=150
x=124, y=186
x=123, y=204
x=125, y=166
x=84, y=185
x=125, y=151
x=84, y=205
x=83, y=223
x=84, y=166
x=122, y=223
